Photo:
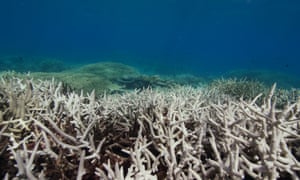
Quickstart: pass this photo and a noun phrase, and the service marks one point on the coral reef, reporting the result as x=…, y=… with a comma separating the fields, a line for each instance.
x=180, y=133
x=283, y=78
x=237, y=88
x=248, y=89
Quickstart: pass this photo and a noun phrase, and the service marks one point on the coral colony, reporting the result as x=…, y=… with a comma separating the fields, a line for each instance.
x=182, y=133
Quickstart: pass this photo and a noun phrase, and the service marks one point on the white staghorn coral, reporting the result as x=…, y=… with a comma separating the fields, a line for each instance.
x=183, y=133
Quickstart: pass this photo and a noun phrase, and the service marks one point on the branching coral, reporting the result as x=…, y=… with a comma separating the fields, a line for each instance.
x=182, y=133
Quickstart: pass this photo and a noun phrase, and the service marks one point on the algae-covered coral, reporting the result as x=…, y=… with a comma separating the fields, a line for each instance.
x=101, y=77
x=180, y=133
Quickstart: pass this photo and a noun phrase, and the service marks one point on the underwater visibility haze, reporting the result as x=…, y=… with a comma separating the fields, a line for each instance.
x=150, y=89
x=200, y=37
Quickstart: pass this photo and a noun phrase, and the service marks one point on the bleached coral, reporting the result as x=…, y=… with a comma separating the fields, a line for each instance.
x=183, y=133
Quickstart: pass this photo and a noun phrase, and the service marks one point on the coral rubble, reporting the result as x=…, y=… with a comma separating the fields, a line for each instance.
x=182, y=133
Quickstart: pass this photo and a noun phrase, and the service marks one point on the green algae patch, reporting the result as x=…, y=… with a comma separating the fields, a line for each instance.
x=105, y=77
x=80, y=81
x=108, y=77
x=101, y=77
x=108, y=70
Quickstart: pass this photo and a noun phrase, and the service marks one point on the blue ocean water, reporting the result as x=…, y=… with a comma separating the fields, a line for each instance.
x=195, y=36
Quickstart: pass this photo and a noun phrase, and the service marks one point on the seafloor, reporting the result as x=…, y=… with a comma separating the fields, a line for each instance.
x=109, y=121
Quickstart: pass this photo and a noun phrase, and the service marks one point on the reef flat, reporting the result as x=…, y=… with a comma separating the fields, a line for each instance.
x=180, y=132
